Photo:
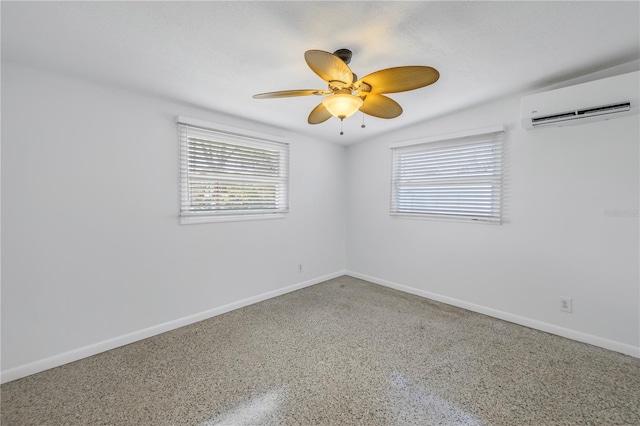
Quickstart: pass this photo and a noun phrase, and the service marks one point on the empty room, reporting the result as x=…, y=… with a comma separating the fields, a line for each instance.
x=320, y=213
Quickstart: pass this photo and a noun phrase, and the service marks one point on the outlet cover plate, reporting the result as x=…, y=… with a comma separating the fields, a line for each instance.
x=566, y=304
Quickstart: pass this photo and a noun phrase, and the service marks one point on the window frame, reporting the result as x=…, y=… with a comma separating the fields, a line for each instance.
x=239, y=137
x=493, y=135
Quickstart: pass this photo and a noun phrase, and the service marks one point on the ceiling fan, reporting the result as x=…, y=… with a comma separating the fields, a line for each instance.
x=348, y=94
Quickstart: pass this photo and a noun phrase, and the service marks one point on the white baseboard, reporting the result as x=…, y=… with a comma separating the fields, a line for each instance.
x=517, y=319
x=96, y=348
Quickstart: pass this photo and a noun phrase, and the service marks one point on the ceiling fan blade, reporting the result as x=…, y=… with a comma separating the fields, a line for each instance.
x=319, y=115
x=290, y=93
x=328, y=66
x=381, y=106
x=400, y=79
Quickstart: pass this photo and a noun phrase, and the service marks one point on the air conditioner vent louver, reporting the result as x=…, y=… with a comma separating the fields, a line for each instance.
x=607, y=109
x=553, y=118
x=587, y=112
x=583, y=103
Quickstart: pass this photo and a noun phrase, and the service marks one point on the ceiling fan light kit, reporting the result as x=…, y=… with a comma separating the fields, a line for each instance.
x=342, y=105
x=348, y=94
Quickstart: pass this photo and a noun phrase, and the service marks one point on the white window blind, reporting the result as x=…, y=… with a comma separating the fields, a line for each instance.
x=455, y=178
x=231, y=177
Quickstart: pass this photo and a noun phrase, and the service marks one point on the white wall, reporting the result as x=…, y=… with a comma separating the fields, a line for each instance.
x=93, y=256
x=91, y=246
x=555, y=240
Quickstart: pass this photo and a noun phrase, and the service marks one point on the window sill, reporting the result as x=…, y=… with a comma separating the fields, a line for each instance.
x=485, y=220
x=192, y=220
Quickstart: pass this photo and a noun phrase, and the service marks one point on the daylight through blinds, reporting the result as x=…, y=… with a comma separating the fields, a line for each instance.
x=224, y=174
x=457, y=178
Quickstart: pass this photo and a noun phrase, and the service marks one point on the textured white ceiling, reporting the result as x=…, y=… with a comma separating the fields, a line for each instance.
x=216, y=55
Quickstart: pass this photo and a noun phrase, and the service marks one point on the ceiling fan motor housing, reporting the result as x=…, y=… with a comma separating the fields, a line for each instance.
x=344, y=54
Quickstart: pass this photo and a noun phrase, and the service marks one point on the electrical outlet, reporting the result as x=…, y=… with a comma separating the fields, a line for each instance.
x=566, y=304
x=299, y=267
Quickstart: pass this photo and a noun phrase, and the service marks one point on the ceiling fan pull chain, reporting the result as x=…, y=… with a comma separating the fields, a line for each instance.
x=341, y=122
x=363, y=126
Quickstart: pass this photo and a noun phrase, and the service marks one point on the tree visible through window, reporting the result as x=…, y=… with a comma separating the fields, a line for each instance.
x=227, y=176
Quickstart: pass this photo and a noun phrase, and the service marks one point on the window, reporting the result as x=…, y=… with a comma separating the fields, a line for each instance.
x=457, y=177
x=228, y=176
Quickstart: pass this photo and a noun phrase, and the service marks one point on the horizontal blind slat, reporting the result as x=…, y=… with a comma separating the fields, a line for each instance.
x=446, y=154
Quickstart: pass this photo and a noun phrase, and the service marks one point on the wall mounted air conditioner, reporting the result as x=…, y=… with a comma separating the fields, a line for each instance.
x=583, y=103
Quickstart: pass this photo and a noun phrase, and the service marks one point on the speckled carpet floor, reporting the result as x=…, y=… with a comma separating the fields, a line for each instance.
x=343, y=352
